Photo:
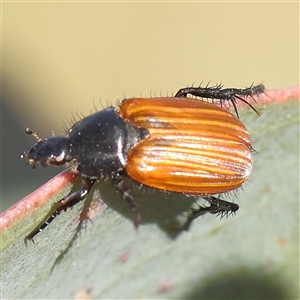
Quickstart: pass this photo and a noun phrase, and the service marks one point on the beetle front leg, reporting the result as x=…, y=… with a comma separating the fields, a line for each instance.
x=61, y=205
x=217, y=206
x=125, y=192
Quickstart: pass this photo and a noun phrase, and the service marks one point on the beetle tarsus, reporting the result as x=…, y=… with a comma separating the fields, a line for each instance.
x=217, y=207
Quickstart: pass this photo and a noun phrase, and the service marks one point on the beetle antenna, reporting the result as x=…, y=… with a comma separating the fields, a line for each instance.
x=32, y=133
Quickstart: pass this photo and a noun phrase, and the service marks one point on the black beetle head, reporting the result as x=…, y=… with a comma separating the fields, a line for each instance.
x=52, y=151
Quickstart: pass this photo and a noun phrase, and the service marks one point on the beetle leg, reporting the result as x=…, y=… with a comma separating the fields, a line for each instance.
x=61, y=205
x=216, y=92
x=217, y=206
x=125, y=192
x=221, y=207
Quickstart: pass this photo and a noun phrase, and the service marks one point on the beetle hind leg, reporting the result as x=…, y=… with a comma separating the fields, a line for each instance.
x=217, y=207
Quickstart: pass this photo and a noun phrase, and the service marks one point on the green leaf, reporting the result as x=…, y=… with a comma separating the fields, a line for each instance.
x=252, y=255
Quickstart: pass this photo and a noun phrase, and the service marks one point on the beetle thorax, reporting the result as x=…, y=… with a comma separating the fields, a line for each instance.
x=100, y=143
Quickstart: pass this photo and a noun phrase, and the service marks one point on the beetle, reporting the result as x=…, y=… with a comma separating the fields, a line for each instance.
x=174, y=144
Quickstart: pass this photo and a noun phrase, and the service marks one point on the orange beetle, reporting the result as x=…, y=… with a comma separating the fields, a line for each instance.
x=175, y=144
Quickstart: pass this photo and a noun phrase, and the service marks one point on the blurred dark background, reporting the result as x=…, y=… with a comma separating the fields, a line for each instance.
x=59, y=59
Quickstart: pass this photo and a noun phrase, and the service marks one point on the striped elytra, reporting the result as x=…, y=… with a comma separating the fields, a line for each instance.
x=194, y=147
